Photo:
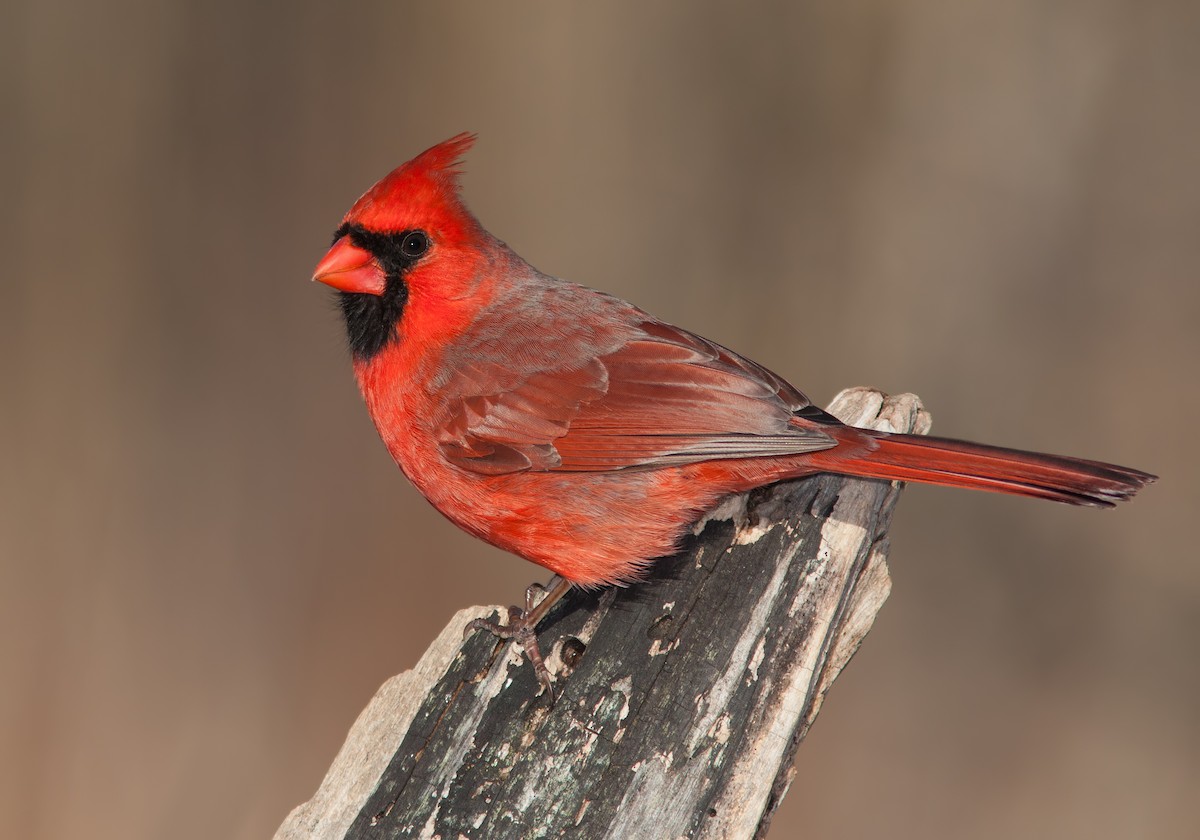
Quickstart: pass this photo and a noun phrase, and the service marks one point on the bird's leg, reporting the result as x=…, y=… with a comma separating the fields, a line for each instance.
x=522, y=625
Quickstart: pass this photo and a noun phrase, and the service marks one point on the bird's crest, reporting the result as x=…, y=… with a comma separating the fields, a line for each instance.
x=417, y=192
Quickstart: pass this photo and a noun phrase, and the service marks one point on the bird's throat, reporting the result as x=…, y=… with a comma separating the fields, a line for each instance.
x=371, y=320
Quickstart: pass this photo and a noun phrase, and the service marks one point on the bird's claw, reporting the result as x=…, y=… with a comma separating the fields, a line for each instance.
x=522, y=629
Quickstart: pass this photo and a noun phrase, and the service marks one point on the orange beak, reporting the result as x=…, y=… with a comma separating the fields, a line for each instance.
x=349, y=268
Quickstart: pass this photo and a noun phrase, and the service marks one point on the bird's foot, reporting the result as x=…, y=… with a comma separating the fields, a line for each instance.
x=522, y=626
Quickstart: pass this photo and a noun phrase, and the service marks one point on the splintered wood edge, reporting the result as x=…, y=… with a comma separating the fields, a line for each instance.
x=868, y=408
x=374, y=739
x=380, y=728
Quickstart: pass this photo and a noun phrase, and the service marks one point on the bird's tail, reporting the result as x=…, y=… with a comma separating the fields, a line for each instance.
x=958, y=463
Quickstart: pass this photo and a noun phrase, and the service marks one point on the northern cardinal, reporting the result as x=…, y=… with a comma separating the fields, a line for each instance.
x=570, y=427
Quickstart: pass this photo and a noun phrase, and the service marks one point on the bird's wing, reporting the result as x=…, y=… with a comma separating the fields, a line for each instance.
x=653, y=395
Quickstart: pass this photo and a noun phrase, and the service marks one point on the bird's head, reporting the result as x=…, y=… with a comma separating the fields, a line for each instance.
x=410, y=232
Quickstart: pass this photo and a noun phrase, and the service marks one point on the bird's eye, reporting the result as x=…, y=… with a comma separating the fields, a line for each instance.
x=414, y=244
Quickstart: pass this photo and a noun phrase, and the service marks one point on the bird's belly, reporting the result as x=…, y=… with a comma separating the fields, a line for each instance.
x=592, y=528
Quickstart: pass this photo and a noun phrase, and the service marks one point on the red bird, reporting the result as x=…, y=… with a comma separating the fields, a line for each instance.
x=572, y=428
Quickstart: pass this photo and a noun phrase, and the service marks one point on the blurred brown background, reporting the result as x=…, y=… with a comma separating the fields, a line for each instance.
x=209, y=563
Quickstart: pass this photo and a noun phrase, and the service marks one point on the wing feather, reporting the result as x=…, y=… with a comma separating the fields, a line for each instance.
x=648, y=395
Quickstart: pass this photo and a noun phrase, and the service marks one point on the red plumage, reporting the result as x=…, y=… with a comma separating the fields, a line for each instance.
x=572, y=428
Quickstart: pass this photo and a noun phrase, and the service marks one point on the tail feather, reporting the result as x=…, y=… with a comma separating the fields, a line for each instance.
x=958, y=463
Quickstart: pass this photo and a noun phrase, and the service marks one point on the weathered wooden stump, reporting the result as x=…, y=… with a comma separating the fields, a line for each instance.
x=683, y=699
